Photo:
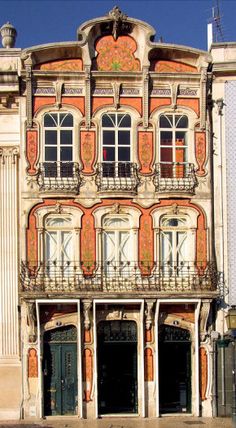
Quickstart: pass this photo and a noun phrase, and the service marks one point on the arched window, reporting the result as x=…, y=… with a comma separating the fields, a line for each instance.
x=58, y=144
x=116, y=144
x=175, y=244
x=117, y=243
x=58, y=242
x=173, y=137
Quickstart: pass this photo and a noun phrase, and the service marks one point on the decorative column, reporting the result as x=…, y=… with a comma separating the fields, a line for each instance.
x=9, y=342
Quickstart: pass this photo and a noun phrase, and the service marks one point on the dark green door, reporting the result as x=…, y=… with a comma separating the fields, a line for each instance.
x=60, y=371
x=174, y=370
x=117, y=367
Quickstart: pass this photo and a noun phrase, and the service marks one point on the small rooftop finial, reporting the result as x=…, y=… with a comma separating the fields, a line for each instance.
x=8, y=33
x=117, y=17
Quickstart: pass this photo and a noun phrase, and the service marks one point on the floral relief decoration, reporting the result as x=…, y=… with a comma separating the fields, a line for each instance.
x=117, y=55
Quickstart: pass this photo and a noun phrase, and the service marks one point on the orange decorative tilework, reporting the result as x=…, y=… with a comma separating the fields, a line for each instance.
x=88, y=150
x=200, y=151
x=132, y=102
x=148, y=362
x=146, y=243
x=156, y=103
x=165, y=66
x=116, y=55
x=192, y=103
x=203, y=373
x=100, y=102
x=88, y=243
x=145, y=151
x=75, y=64
x=32, y=150
x=42, y=101
x=77, y=102
x=87, y=374
x=32, y=363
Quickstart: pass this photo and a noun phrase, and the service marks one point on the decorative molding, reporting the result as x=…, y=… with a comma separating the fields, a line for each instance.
x=116, y=91
x=145, y=151
x=31, y=319
x=203, y=90
x=88, y=150
x=44, y=91
x=148, y=364
x=32, y=363
x=187, y=92
x=203, y=372
x=204, y=314
x=145, y=96
x=32, y=150
x=58, y=90
x=118, y=18
x=29, y=89
x=72, y=91
x=149, y=313
x=87, y=96
x=200, y=152
x=174, y=93
x=9, y=152
x=161, y=92
x=87, y=305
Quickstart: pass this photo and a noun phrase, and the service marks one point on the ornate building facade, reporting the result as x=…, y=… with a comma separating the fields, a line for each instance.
x=108, y=273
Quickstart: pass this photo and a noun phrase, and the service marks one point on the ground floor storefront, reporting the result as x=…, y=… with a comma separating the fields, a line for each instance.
x=94, y=358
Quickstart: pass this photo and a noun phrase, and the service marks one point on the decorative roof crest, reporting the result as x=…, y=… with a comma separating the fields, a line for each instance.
x=118, y=19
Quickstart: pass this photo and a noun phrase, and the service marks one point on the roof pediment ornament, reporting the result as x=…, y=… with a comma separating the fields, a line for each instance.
x=119, y=24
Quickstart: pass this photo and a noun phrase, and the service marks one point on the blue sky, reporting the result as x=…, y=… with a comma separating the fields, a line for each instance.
x=177, y=21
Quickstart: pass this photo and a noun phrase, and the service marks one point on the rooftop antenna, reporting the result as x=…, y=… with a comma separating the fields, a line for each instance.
x=214, y=29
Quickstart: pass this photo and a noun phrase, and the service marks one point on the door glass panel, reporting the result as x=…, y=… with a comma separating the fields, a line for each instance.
x=108, y=137
x=108, y=121
x=181, y=121
x=124, y=121
x=109, y=154
x=50, y=120
x=166, y=138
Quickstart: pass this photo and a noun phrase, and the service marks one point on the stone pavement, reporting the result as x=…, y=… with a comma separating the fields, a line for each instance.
x=164, y=422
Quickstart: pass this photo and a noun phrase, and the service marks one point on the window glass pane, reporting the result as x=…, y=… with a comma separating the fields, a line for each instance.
x=181, y=138
x=124, y=246
x=166, y=121
x=109, y=246
x=50, y=154
x=50, y=246
x=66, y=137
x=166, y=155
x=166, y=246
x=124, y=154
x=50, y=137
x=124, y=121
x=116, y=223
x=50, y=120
x=181, y=121
x=58, y=222
x=108, y=121
x=108, y=138
x=124, y=138
x=166, y=138
x=66, y=244
x=66, y=120
x=109, y=154
x=66, y=153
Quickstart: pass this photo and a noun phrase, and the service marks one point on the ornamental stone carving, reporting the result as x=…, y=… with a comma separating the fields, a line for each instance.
x=87, y=305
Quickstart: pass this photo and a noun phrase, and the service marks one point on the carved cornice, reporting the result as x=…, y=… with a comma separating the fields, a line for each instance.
x=6, y=152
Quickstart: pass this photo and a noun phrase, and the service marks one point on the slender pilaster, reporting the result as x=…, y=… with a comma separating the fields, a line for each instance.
x=9, y=343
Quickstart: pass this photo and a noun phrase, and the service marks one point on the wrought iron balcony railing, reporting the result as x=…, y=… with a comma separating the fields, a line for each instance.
x=117, y=176
x=57, y=277
x=60, y=176
x=175, y=177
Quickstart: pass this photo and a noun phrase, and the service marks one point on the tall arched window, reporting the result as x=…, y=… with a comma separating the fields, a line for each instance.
x=174, y=243
x=173, y=129
x=58, y=144
x=117, y=243
x=58, y=240
x=116, y=144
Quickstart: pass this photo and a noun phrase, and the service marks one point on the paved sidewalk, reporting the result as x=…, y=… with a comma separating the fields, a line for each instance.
x=164, y=422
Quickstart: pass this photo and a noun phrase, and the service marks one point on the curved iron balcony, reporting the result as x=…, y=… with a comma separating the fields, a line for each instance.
x=175, y=177
x=117, y=176
x=59, y=176
x=73, y=276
